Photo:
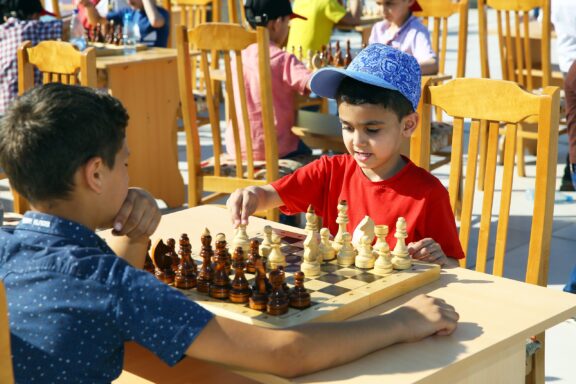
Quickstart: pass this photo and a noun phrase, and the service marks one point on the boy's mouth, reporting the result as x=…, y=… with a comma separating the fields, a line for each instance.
x=362, y=156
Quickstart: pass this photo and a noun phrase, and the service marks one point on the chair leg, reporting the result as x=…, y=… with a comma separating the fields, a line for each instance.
x=520, y=163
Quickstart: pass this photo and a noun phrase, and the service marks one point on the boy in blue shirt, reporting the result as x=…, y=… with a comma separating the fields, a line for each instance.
x=73, y=301
x=146, y=15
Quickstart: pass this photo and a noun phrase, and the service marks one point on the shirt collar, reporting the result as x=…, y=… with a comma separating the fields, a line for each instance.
x=57, y=226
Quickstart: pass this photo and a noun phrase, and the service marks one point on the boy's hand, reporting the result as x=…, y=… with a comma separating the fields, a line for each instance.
x=424, y=316
x=429, y=251
x=242, y=203
x=139, y=215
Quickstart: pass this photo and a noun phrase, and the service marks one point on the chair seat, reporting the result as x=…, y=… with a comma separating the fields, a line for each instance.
x=228, y=166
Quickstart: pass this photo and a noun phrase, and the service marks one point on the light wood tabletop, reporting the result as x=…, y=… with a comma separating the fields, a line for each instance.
x=147, y=85
x=497, y=315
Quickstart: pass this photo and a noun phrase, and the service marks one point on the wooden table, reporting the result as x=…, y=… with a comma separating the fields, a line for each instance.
x=364, y=27
x=147, y=85
x=497, y=315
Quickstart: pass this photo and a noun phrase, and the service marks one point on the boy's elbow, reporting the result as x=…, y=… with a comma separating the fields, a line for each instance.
x=157, y=22
x=291, y=348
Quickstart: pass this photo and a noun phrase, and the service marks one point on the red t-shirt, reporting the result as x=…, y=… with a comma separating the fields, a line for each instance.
x=412, y=193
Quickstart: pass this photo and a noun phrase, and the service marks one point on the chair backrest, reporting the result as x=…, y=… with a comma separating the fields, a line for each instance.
x=435, y=14
x=233, y=16
x=520, y=59
x=6, y=370
x=222, y=41
x=488, y=104
x=58, y=62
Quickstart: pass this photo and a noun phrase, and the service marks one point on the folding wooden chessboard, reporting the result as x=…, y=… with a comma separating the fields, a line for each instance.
x=337, y=294
x=104, y=49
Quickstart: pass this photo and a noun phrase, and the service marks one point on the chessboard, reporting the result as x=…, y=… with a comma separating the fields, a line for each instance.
x=107, y=49
x=336, y=294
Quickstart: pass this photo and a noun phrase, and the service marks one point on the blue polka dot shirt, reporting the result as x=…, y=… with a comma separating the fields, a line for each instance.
x=73, y=303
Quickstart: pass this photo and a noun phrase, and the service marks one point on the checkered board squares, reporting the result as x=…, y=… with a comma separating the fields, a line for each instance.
x=338, y=293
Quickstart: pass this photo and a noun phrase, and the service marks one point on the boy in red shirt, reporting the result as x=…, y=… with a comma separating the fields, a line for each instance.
x=377, y=98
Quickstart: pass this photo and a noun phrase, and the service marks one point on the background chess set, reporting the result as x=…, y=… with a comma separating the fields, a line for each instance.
x=336, y=294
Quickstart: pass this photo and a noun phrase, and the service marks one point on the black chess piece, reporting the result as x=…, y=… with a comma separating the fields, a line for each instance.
x=240, y=291
x=205, y=275
x=278, y=299
x=148, y=264
x=259, y=298
x=299, y=296
x=186, y=273
x=163, y=263
x=220, y=284
x=253, y=255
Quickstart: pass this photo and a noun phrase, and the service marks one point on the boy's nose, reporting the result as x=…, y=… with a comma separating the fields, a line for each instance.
x=359, y=138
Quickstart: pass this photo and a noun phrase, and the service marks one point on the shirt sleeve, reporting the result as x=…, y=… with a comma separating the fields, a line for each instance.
x=295, y=74
x=157, y=316
x=303, y=187
x=422, y=47
x=334, y=11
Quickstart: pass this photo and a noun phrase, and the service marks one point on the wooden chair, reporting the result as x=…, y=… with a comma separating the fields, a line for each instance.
x=524, y=48
x=435, y=15
x=57, y=62
x=497, y=102
x=220, y=41
x=6, y=370
x=236, y=13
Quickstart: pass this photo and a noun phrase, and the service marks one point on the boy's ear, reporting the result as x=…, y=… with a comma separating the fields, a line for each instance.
x=409, y=124
x=93, y=174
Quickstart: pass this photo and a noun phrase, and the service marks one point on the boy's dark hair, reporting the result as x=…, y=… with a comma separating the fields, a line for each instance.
x=356, y=92
x=52, y=130
x=20, y=9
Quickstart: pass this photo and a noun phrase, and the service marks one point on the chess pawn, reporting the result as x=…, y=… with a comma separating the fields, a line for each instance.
x=327, y=252
x=329, y=57
x=365, y=258
x=240, y=291
x=299, y=296
x=310, y=264
x=204, y=277
x=338, y=59
x=400, y=257
x=347, y=253
x=266, y=245
x=300, y=53
x=341, y=220
x=171, y=243
x=241, y=239
x=278, y=300
x=309, y=61
x=276, y=258
x=220, y=285
x=222, y=251
x=383, y=264
x=348, y=56
x=253, y=255
x=259, y=299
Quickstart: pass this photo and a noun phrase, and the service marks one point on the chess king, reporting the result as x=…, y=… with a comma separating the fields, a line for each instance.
x=377, y=96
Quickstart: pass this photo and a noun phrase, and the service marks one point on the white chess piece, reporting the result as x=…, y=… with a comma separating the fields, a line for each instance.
x=311, y=220
x=347, y=253
x=266, y=245
x=241, y=239
x=365, y=258
x=400, y=257
x=383, y=264
x=326, y=250
x=364, y=228
x=310, y=260
x=276, y=258
x=341, y=220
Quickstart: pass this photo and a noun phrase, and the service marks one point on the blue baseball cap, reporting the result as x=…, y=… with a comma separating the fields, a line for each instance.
x=377, y=64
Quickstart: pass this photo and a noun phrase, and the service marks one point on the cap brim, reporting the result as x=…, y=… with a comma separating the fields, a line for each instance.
x=297, y=16
x=325, y=81
x=46, y=13
x=415, y=7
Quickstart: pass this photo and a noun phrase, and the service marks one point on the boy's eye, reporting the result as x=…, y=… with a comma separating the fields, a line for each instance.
x=372, y=130
x=347, y=128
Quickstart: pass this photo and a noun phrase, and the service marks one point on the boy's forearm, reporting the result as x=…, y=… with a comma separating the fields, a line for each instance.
x=92, y=14
x=155, y=18
x=429, y=67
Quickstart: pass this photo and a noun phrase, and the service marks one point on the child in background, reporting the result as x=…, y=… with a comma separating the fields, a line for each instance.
x=403, y=31
x=289, y=77
x=73, y=302
x=148, y=18
x=321, y=15
x=20, y=21
x=377, y=97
